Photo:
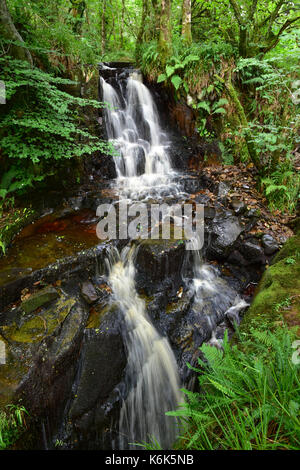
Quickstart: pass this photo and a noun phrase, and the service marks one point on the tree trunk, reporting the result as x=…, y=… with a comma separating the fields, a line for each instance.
x=10, y=32
x=165, y=34
x=186, y=31
x=103, y=28
x=141, y=33
x=156, y=16
x=242, y=118
x=122, y=24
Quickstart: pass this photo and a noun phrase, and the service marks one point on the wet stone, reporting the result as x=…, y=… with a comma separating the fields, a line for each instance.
x=224, y=232
x=253, y=252
x=39, y=298
x=238, y=206
x=89, y=293
x=223, y=190
x=270, y=244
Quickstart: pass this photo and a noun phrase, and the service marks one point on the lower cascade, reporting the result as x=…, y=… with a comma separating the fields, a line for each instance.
x=151, y=376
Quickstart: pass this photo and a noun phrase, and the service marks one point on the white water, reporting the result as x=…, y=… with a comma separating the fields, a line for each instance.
x=151, y=375
x=144, y=171
x=142, y=161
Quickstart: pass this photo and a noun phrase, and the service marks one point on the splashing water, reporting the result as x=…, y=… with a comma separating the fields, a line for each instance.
x=143, y=165
x=152, y=380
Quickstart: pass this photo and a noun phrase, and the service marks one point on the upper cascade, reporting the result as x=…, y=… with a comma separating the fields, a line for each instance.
x=131, y=118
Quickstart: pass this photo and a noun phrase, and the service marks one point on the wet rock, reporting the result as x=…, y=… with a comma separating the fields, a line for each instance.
x=224, y=232
x=270, y=244
x=39, y=298
x=253, y=252
x=82, y=263
x=93, y=409
x=236, y=258
x=41, y=356
x=159, y=262
x=238, y=206
x=209, y=212
x=89, y=293
x=223, y=190
x=252, y=213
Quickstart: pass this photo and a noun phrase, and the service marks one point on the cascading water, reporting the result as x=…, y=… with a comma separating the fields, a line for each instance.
x=142, y=162
x=151, y=375
x=144, y=172
x=143, y=169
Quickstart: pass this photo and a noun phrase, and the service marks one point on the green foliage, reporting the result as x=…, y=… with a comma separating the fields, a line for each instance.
x=282, y=187
x=12, y=422
x=16, y=178
x=249, y=399
x=39, y=125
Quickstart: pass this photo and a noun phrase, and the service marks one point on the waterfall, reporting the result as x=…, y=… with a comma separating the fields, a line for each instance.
x=143, y=169
x=152, y=382
x=142, y=162
x=144, y=172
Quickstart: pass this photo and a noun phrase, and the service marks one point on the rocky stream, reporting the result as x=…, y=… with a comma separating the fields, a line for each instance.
x=96, y=334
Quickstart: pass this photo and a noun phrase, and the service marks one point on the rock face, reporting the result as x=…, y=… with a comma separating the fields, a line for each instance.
x=89, y=293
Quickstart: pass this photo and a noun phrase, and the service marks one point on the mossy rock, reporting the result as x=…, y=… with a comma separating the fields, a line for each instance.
x=12, y=225
x=33, y=328
x=277, y=296
x=39, y=298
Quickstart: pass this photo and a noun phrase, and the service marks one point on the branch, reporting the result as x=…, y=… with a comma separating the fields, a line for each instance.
x=274, y=15
x=237, y=11
x=285, y=26
x=252, y=10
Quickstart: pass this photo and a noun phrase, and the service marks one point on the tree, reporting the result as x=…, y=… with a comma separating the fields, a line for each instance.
x=187, y=21
x=165, y=33
x=10, y=33
x=145, y=12
x=260, y=24
x=77, y=10
x=103, y=27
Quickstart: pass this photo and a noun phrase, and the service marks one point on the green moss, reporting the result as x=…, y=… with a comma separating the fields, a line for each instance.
x=98, y=312
x=278, y=292
x=12, y=224
x=37, y=326
x=290, y=248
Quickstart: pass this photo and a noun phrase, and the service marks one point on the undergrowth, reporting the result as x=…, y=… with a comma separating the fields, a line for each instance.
x=249, y=399
x=12, y=423
x=249, y=396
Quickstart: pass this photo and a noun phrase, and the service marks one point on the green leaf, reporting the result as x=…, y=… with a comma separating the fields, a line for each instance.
x=204, y=105
x=161, y=78
x=177, y=81
x=3, y=193
x=169, y=70
x=219, y=111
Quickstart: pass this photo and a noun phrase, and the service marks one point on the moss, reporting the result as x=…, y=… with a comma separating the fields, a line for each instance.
x=278, y=292
x=290, y=248
x=12, y=224
x=39, y=325
x=98, y=312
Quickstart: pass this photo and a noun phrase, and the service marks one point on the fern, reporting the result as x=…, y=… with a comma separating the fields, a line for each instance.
x=247, y=401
